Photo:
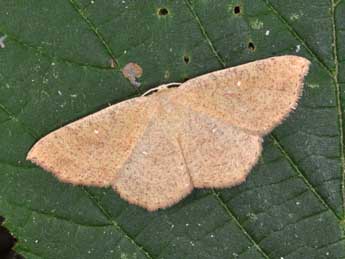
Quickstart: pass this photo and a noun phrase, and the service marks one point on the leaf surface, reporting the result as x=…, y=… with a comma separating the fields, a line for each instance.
x=55, y=68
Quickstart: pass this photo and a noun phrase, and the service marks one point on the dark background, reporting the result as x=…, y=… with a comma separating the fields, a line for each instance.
x=7, y=241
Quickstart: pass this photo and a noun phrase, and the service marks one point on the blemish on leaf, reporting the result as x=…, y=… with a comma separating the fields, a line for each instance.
x=298, y=48
x=252, y=217
x=132, y=71
x=267, y=33
x=186, y=59
x=294, y=17
x=112, y=63
x=256, y=24
x=166, y=74
x=313, y=86
x=2, y=41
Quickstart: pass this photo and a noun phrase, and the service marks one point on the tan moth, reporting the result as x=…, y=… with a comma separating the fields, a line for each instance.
x=153, y=150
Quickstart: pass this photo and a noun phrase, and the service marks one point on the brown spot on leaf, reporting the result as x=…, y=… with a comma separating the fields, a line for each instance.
x=132, y=71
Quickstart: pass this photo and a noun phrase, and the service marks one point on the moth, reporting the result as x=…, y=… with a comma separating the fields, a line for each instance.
x=206, y=133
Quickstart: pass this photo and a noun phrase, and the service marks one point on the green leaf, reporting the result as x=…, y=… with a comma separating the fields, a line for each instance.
x=55, y=68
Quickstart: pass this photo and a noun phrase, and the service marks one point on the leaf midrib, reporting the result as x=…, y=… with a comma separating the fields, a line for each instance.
x=338, y=98
x=116, y=225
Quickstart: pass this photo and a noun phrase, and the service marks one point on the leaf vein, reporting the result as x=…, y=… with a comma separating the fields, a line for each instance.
x=337, y=2
x=338, y=102
x=13, y=164
x=95, y=30
x=54, y=216
x=242, y=228
x=116, y=225
x=15, y=118
x=317, y=214
x=51, y=58
x=204, y=33
x=302, y=175
x=26, y=250
x=297, y=36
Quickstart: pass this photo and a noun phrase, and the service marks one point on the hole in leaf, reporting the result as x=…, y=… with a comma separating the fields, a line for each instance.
x=163, y=11
x=186, y=59
x=237, y=9
x=251, y=46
